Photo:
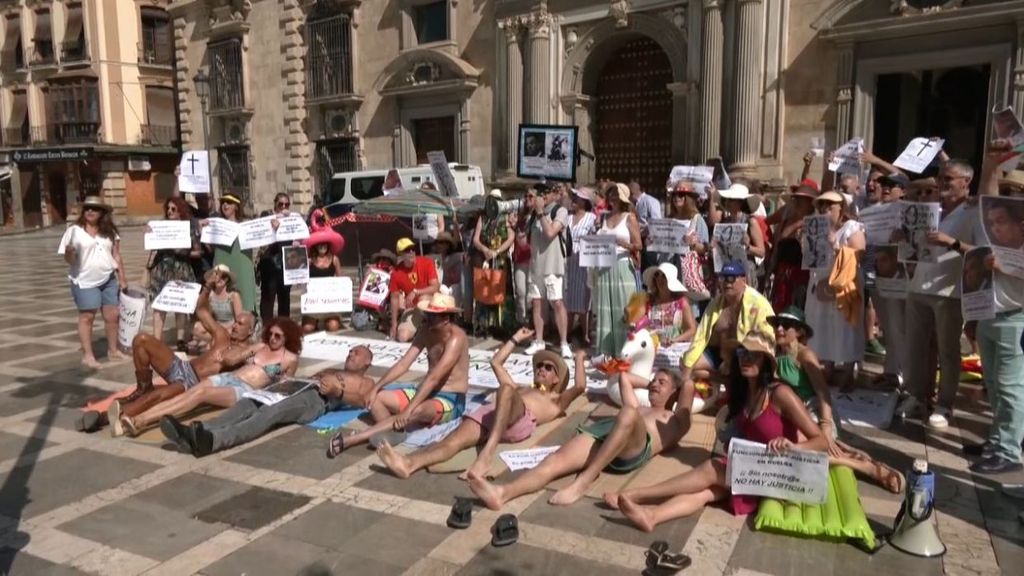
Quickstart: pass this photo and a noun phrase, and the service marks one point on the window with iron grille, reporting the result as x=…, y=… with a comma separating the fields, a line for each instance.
x=157, y=47
x=226, y=91
x=74, y=112
x=234, y=171
x=334, y=156
x=328, y=55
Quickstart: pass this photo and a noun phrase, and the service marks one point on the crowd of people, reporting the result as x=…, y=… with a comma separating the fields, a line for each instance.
x=779, y=339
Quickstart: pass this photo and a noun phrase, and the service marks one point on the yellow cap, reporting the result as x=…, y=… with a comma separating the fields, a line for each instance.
x=404, y=244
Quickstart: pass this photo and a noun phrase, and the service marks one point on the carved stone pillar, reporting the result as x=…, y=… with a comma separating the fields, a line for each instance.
x=1018, y=71
x=712, y=33
x=750, y=46
x=539, y=101
x=844, y=93
x=513, y=91
x=680, y=95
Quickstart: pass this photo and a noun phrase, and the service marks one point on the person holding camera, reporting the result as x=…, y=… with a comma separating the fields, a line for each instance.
x=548, y=249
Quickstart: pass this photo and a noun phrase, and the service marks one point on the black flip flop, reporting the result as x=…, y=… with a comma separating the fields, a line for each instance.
x=462, y=514
x=505, y=531
x=674, y=562
x=88, y=422
x=654, y=553
x=339, y=441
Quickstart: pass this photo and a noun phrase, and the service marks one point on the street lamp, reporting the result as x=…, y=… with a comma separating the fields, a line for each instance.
x=202, y=83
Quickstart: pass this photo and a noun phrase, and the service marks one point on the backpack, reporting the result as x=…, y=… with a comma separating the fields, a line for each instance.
x=564, y=237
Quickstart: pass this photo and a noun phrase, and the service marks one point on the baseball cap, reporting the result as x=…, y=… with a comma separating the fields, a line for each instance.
x=733, y=269
x=897, y=179
x=404, y=244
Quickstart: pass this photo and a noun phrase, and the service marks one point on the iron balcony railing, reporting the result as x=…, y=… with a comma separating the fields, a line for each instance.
x=74, y=51
x=157, y=135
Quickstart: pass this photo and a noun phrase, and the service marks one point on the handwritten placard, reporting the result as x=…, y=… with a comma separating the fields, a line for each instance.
x=879, y=222
x=220, y=232
x=291, y=227
x=168, y=235
x=526, y=459
x=178, y=297
x=817, y=250
x=729, y=244
x=194, y=172
x=700, y=176
x=1003, y=220
x=296, y=265
x=668, y=236
x=597, y=251
x=919, y=154
x=443, y=176
x=131, y=315
x=916, y=220
x=375, y=289
x=255, y=233
x=846, y=158
x=795, y=475
x=977, y=282
x=324, y=295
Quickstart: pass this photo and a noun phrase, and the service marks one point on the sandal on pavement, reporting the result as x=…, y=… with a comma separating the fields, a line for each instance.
x=88, y=422
x=505, y=531
x=462, y=514
x=337, y=445
x=654, y=553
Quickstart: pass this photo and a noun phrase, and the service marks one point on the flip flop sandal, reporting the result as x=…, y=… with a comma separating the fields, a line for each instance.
x=130, y=429
x=114, y=417
x=462, y=514
x=337, y=445
x=657, y=549
x=393, y=437
x=674, y=562
x=88, y=422
x=505, y=531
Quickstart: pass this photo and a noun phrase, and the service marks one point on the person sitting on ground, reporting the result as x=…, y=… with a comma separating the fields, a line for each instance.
x=275, y=357
x=413, y=280
x=249, y=419
x=668, y=309
x=736, y=311
x=225, y=302
x=511, y=418
x=439, y=398
x=621, y=444
x=761, y=411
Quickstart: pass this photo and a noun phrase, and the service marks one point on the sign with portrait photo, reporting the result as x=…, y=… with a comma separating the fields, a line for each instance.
x=729, y=244
x=1007, y=127
x=547, y=151
x=890, y=274
x=977, y=297
x=1003, y=220
x=425, y=227
x=817, y=250
x=375, y=289
x=296, y=265
x=442, y=174
x=915, y=221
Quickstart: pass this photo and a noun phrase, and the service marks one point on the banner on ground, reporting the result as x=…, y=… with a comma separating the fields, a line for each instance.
x=919, y=154
x=668, y=236
x=597, y=251
x=194, y=172
x=846, y=158
x=977, y=294
x=729, y=244
x=879, y=222
x=178, y=297
x=916, y=220
x=327, y=295
x=817, y=249
x=296, y=265
x=1002, y=219
x=890, y=274
x=526, y=459
x=168, y=235
x=219, y=231
x=375, y=289
x=795, y=475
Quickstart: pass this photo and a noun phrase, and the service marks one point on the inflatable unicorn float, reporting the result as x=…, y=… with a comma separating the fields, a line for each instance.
x=637, y=358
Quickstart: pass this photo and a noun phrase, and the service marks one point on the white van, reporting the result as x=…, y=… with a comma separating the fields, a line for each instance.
x=355, y=187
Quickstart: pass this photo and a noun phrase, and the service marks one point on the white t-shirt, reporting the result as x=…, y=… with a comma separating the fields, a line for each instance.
x=942, y=278
x=95, y=257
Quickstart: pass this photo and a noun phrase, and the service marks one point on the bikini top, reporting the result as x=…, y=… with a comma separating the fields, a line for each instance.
x=273, y=371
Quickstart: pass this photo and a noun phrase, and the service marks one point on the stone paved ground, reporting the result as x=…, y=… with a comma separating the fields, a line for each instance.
x=72, y=503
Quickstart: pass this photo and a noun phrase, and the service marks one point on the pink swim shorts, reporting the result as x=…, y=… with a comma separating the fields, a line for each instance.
x=516, y=432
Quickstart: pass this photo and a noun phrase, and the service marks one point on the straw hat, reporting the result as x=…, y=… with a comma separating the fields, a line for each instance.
x=735, y=192
x=561, y=369
x=1013, y=178
x=495, y=193
x=755, y=342
x=231, y=198
x=439, y=303
x=223, y=269
x=93, y=201
x=622, y=192
x=671, y=274
x=830, y=196
x=384, y=254
x=446, y=237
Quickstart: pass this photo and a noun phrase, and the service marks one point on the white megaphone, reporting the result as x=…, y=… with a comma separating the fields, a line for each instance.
x=914, y=532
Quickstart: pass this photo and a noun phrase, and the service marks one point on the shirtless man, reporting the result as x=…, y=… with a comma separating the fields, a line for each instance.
x=248, y=419
x=511, y=418
x=440, y=397
x=228, y=350
x=621, y=444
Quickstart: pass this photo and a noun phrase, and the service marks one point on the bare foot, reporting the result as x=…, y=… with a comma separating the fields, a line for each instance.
x=397, y=463
x=566, y=496
x=116, y=356
x=478, y=469
x=612, y=500
x=486, y=491
x=637, y=514
x=91, y=362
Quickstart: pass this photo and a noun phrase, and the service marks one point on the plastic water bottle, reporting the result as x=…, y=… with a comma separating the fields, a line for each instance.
x=921, y=482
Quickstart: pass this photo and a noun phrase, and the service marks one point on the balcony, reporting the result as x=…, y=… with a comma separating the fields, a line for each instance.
x=65, y=133
x=15, y=137
x=43, y=54
x=12, y=59
x=74, y=51
x=156, y=135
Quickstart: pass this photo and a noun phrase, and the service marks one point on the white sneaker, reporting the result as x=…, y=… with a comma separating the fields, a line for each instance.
x=566, y=351
x=939, y=418
x=537, y=346
x=909, y=408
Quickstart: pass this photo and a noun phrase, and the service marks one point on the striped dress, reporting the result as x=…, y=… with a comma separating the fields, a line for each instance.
x=577, y=293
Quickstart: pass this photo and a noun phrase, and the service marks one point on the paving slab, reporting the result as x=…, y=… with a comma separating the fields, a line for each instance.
x=191, y=493
x=252, y=509
x=522, y=559
x=330, y=525
x=16, y=563
x=300, y=451
x=14, y=446
x=436, y=488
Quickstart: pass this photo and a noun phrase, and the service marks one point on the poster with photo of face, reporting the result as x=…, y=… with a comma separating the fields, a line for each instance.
x=296, y=265
x=1003, y=221
x=977, y=299
x=915, y=221
x=890, y=274
x=547, y=151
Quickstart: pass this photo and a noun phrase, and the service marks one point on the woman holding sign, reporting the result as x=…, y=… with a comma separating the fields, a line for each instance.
x=324, y=246
x=613, y=286
x=167, y=265
x=91, y=247
x=238, y=260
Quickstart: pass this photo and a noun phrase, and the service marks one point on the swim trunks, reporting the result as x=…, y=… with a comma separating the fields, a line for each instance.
x=181, y=372
x=229, y=380
x=601, y=429
x=447, y=405
x=515, y=432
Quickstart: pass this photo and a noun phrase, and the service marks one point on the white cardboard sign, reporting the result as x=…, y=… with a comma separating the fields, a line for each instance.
x=194, y=172
x=168, y=235
x=846, y=159
x=919, y=154
x=325, y=295
x=296, y=265
x=597, y=251
x=178, y=297
x=796, y=475
x=220, y=232
x=256, y=233
x=668, y=236
x=916, y=220
x=375, y=289
x=728, y=244
x=526, y=459
x=442, y=174
x=817, y=252
x=291, y=227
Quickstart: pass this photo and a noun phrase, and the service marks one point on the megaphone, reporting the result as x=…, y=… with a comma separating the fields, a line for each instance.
x=913, y=531
x=494, y=207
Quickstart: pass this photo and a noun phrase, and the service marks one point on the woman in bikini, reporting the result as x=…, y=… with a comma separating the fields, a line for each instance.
x=277, y=356
x=762, y=411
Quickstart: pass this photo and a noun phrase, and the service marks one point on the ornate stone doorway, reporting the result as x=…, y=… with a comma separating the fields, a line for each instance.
x=633, y=115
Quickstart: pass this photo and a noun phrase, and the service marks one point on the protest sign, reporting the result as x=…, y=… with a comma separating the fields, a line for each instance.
x=879, y=222
x=1008, y=127
x=131, y=315
x=296, y=265
x=442, y=174
x=795, y=475
x=729, y=244
x=597, y=251
x=255, y=233
x=890, y=274
x=547, y=151
x=168, y=235
x=392, y=182
x=916, y=220
x=424, y=227
x=219, y=231
x=324, y=295
x=977, y=297
x=818, y=146
x=178, y=297
x=846, y=159
x=194, y=172
x=919, y=154
x=291, y=227
x=700, y=176
x=375, y=289
x=817, y=249
x=668, y=236
x=526, y=459
x=1003, y=221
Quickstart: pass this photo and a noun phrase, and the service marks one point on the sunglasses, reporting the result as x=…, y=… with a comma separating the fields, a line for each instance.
x=748, y=357
x=275, y=334
x=92, y=209
x=545, y=366
x=788, y=325
x=727, y=279
x=172, y=210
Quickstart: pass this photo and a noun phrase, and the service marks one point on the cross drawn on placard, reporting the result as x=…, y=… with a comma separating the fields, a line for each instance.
x=192, y=162
x=925, y=146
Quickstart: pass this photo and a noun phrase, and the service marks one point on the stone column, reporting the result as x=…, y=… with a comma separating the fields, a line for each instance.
x=844, y=93
x=680, y=93
x=513, y=91
x=539, y=100
x=709, y=144
x=17, y=206
x=1018, y=71
x=750, y=47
